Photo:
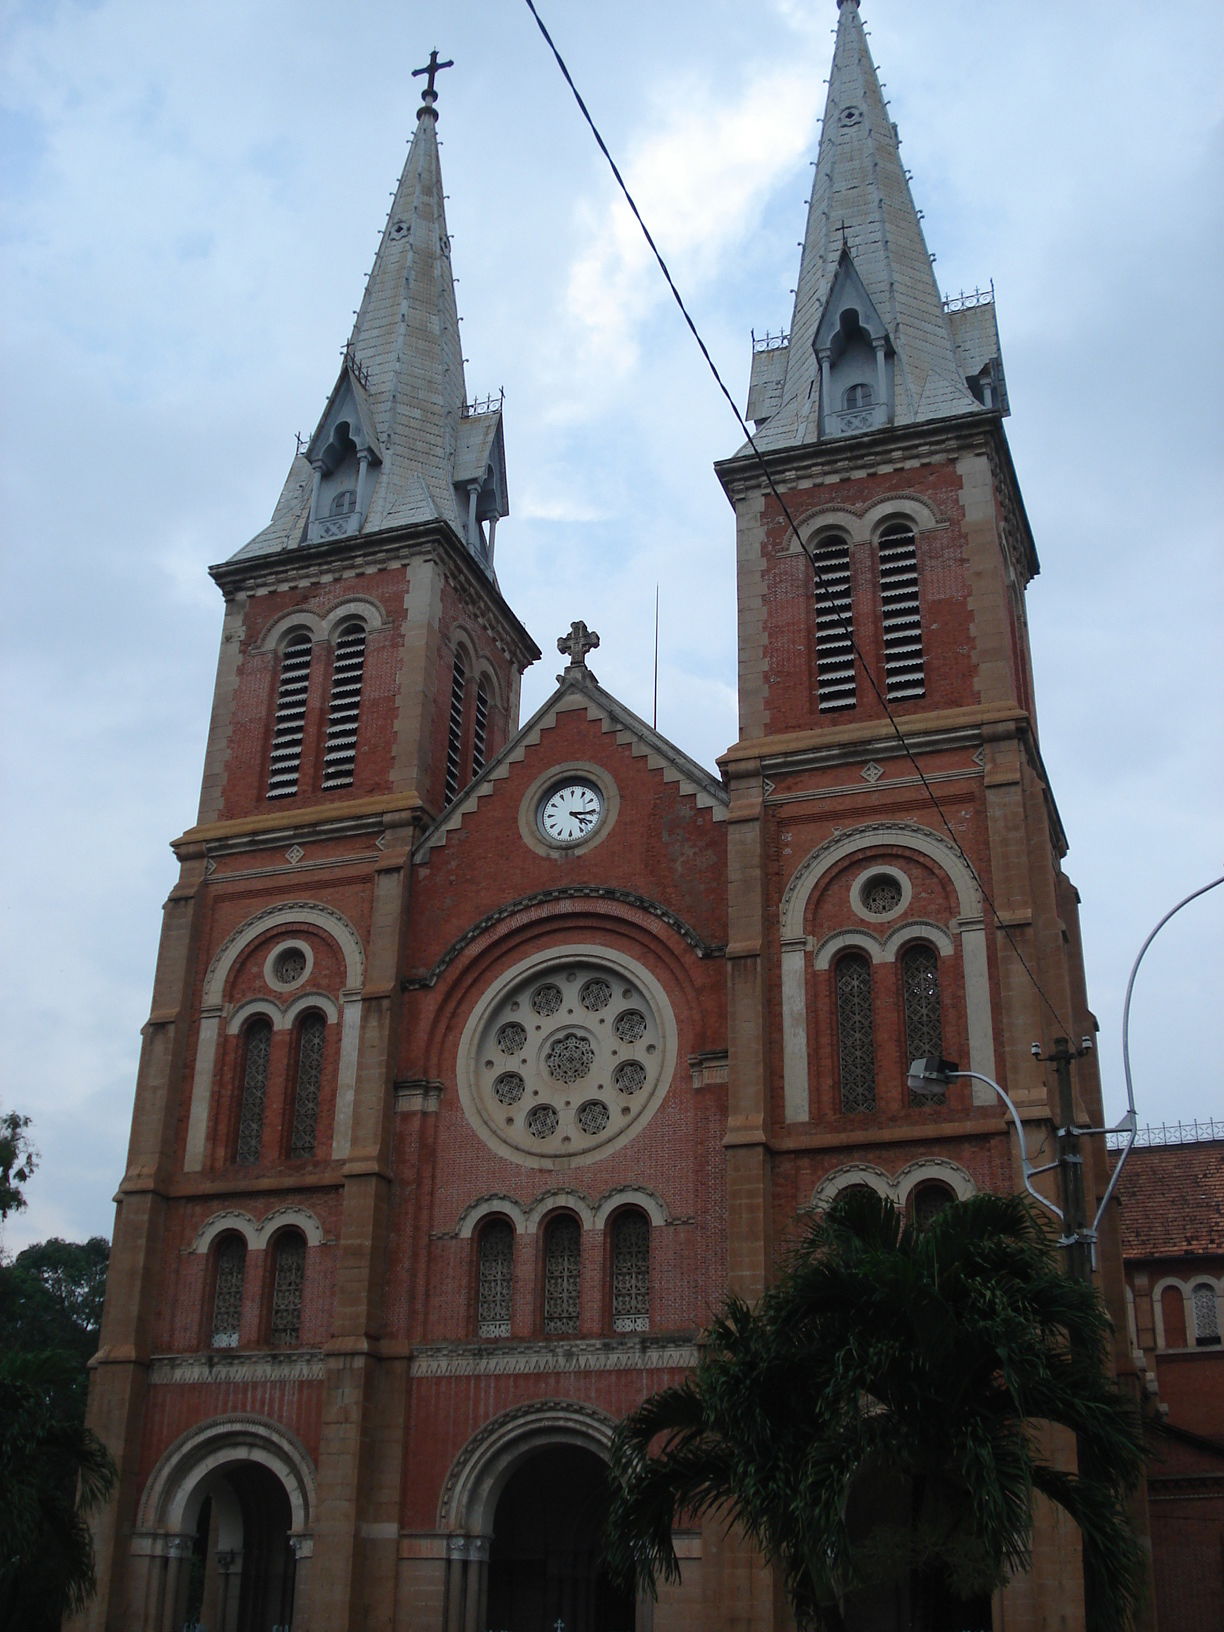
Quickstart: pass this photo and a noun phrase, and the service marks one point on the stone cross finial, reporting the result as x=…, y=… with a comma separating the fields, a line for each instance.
x=433, y=68
x=577, y=643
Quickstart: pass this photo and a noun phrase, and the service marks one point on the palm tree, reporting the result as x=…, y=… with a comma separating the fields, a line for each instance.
x=874, y=1422
x=53, y=1472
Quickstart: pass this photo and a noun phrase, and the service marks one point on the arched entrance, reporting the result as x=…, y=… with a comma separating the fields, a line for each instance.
x=224, y=1530
x=241, y=1572
x=545, y=1557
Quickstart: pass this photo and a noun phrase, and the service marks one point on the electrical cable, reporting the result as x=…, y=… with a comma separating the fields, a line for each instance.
x=791, y=522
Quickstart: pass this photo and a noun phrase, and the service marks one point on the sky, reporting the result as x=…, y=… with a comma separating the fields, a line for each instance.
x=193, y=195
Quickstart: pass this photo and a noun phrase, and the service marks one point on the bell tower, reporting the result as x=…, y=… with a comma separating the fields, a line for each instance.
x=369, y=670
x=895, y=850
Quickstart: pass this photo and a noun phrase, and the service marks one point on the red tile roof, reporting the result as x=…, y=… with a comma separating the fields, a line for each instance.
x=1172, y=1200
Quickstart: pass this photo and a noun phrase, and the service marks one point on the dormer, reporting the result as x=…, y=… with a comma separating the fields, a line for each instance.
x=855, y=356
x=480, y=477
x=345, y=456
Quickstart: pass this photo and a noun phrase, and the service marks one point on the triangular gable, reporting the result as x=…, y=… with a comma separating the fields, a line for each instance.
x=691, y=779
x=848, y=291
x=351, y=402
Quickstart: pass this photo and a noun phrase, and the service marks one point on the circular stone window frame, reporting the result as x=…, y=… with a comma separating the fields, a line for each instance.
x=542, y=965
x=278, y=952
x=578, y=770
x=880, y=870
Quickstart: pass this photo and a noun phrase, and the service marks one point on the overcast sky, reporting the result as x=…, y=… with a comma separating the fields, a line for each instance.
x=195, y=193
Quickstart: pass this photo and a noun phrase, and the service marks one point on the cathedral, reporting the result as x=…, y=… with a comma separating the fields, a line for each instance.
x=486, y=1055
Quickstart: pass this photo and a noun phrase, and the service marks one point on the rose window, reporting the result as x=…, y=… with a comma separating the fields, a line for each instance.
x=567, y=1059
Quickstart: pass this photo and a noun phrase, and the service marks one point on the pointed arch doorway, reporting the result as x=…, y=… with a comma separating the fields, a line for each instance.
x=545, y=1557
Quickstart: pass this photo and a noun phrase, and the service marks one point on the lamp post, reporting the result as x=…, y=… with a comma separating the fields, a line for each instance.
x=930, y=1076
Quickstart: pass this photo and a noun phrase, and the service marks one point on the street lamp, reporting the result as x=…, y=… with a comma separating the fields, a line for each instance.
x=927, y=1080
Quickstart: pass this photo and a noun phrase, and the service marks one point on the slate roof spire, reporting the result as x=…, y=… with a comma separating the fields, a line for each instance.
x=864, y=254
x=395, y=445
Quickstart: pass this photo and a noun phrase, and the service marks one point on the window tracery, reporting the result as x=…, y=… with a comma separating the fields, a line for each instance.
x=230, y=1275
x=256, y=1051
x=631, y=1272
x=921, y=1005
x=495, y=1279
x=855, y=1033
x=311, y=1040
x=562, y=1275
x=1206, y=1316
x=288, y=1281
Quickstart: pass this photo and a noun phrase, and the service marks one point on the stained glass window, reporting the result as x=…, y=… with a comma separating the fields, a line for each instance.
x=631, y=1273
x=562, y=1268
x=312, y=1034
x=287, y=1281
x=920, y=1000
x=495, y=1289
x=256, y=1047
x=227, y=1295
x=855, y=1033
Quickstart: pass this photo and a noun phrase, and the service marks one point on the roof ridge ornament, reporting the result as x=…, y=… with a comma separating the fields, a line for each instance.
x=428, y=93
x=577, y=644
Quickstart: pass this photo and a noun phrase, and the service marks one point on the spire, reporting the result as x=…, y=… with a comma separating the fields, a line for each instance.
x=395, y=445
x=870, y=343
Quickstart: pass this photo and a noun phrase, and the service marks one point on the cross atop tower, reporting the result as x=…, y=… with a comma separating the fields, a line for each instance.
x=577, y=644
x=433, y=68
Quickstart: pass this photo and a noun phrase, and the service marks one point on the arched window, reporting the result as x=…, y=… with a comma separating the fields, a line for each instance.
x=344, y=707
x=256, y=1048
x=835, y=680
x=345, y=502
x=288, y=1278
x=289, y=725
x=901, y=614
x=1206, y=1316
x=230, y=1274
x=928, y=1199
x=480, y=727
x=311, y=1037
x=921, y=1006
x=631, y=1272
x=562, y=1267
x=855, y=1032
x=454, y=733
x=494, y=1278
x=858, y=396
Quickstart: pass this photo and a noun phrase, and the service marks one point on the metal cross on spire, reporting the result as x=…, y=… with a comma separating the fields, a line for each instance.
x=433, y=68
x=577, y=643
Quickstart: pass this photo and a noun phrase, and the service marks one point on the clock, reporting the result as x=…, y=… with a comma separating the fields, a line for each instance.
x=570, y=811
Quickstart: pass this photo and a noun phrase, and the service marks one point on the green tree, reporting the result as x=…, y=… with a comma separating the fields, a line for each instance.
x=53, y=1473
x=873, y=1423
x=18, y=1160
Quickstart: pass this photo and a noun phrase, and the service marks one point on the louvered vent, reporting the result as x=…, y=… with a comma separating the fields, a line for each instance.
x=480, y=729
x=344, y=707
x=454, y=736
x=835, y=683
x=285, y=760
x=901, y=615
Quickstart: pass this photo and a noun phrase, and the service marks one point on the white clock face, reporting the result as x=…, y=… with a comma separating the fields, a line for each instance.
x=570, y=812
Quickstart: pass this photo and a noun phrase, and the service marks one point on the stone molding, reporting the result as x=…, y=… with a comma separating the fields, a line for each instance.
x=900, y=1186
x=503, y=1358
x=314, y=913
x=237, y=1368
x=567, y=892
x=477, y=1474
